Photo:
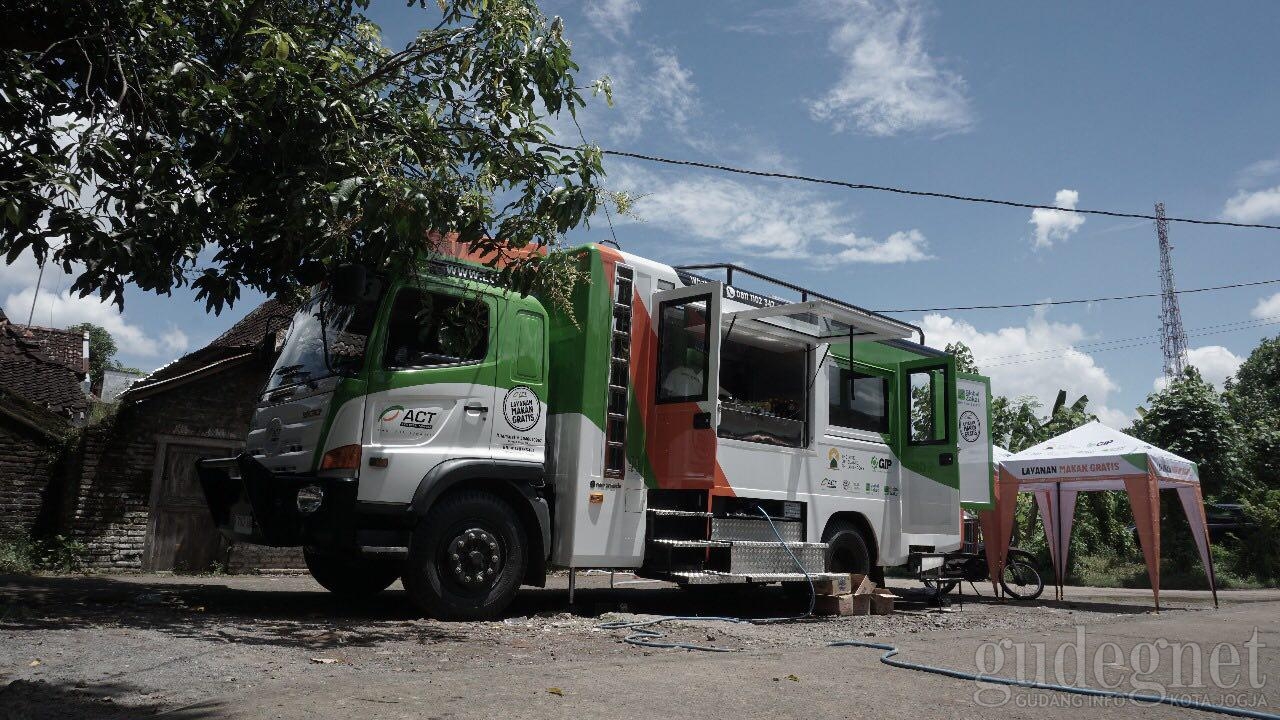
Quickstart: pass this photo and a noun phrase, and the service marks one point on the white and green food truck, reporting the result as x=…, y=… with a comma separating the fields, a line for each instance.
x=688, y=424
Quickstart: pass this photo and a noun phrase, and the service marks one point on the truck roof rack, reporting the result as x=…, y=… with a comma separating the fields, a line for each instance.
x=729, y=270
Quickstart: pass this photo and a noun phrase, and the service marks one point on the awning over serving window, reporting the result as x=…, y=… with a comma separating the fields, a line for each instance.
x=819, y=321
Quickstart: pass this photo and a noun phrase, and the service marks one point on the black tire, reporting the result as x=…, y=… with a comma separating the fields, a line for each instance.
x=847, y=550
x=447, y=575
x=350, y=576
x=1021, y=581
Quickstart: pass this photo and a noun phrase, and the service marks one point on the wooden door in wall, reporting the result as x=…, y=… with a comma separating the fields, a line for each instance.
x=181, y=536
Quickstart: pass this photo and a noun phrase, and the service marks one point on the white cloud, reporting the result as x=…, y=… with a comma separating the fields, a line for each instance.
x=775, y=222
x=1057, y=225
x=890, y=83
x=60, y=308
x=1252, y=207
x=174, y=341
x=611, y=18
x=1036, y=359
x=653, y=87
x=1267, y=307
x=1214, y=362
x=902, y=246
x=1258, y=172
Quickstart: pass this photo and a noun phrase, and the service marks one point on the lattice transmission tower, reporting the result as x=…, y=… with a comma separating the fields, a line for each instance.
x=1173, y=338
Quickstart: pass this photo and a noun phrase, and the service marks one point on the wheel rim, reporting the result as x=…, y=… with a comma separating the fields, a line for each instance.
x=471, y=561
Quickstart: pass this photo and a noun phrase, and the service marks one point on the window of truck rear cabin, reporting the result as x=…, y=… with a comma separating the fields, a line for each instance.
x=763, y=389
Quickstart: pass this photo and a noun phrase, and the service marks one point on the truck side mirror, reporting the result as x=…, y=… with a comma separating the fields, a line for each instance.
x=349, y=283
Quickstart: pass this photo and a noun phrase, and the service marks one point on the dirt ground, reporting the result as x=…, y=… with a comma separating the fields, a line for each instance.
x=134, y=646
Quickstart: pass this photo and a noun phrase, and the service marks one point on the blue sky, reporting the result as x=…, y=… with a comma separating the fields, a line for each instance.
x=1110, y=105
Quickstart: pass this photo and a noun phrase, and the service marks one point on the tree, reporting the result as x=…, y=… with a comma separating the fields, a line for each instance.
x=1189, y=418
x=1254, y=395
x=102, y=351
x=230, y=143
x=964, y=357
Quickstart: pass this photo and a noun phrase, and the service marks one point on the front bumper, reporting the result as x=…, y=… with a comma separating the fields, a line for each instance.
x=252, y=504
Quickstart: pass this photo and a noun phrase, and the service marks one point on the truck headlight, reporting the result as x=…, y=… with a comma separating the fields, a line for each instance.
x=310, y=499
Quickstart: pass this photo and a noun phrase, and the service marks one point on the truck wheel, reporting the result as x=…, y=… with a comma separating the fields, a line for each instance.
x=847, y=550
x=350, y=576
x=466, y=558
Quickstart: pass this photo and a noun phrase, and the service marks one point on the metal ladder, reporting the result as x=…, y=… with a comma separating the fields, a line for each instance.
x=615, y=431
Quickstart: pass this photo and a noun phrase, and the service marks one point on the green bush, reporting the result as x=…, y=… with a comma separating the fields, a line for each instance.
x=20, y=553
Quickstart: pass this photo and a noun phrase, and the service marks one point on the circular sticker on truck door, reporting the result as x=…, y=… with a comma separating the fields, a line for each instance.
x=970, y=426
x=521, y=408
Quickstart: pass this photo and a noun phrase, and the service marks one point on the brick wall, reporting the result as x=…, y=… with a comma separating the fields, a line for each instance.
x=24, y=475
x=107, y=509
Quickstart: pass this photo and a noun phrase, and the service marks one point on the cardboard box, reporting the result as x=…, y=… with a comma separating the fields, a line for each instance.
x=842, y=605
x=882, y=601
x=853, y=584
x=862, y=585
x=842, y=585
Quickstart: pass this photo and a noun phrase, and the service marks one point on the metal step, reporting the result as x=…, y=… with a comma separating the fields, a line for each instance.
x=665, y=542
x=742, y=528
x=720, y=578
x=751, y=557
x=679, y=513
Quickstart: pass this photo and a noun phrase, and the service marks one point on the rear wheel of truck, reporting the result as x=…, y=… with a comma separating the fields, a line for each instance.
x=351, y=576
x=847, y=550
x=846, y=553
x=467, y=558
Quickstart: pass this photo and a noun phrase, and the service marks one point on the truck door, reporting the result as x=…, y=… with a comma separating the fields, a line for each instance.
x=973, y=438
x=686, y=364
x=432, y=389
x=929, y=477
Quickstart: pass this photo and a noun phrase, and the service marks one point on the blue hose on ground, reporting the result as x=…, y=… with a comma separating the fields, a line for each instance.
x=890, y=651
x=649, y=638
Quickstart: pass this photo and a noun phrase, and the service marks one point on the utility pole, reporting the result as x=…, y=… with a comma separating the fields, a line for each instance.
x=1173, y=338
x=36, y=295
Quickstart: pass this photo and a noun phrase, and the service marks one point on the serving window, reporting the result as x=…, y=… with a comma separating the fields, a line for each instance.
x=763, y=390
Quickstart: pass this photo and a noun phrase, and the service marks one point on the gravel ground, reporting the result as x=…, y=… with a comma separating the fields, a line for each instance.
x=133, y=646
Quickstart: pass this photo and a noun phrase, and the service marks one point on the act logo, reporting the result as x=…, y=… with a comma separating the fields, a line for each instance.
x=828, y=483
x=391, y=414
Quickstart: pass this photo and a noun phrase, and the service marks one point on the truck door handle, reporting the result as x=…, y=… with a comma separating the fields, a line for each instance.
x=475, y=407
x=702, y=421
x=946, y=459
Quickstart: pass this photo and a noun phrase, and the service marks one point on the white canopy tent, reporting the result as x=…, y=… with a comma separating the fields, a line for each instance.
x=1090, y=458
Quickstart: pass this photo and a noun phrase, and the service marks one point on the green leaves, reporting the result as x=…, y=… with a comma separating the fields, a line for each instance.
x=1189, y=418
x=222, y=144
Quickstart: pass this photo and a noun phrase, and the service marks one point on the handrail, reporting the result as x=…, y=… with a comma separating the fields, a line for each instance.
x=805, y=293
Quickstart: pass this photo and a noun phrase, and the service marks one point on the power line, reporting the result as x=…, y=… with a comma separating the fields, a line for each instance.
x=1238, y=325
x=906, y=191
x=1080, y=301
x=1153, y=341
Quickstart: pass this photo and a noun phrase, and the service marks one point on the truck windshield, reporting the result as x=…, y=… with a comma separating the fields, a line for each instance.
x=324, y=340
